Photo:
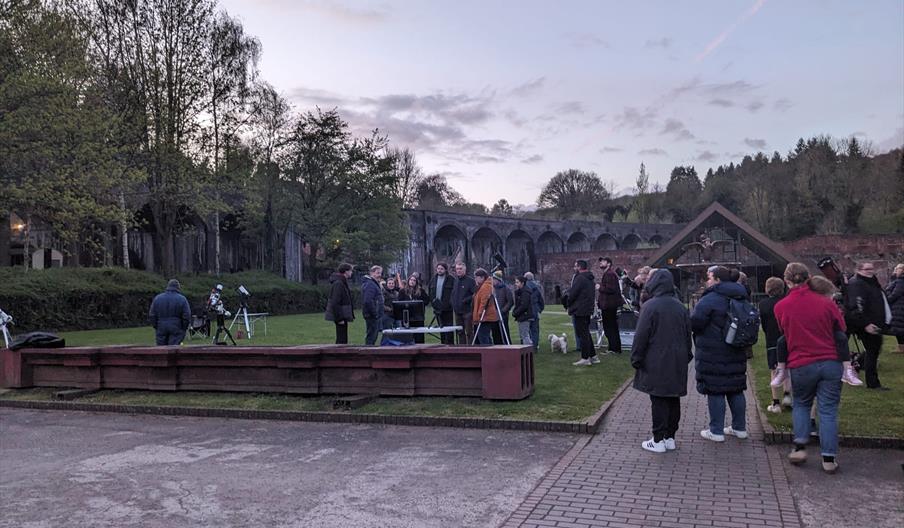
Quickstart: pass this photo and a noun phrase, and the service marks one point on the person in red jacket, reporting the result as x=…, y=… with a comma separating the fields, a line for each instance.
x=809, y=321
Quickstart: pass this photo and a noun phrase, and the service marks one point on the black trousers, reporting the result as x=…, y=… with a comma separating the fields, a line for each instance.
x=446, y=319
x=872, y=344
x=582, y=333
x=666, y=415
x=341, y=334
x=497, y=331
x=610, y=328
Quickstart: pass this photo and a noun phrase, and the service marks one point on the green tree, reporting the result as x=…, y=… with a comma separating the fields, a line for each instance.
x=642, y=201
x=502, y=208
x=57, y=166
x=574, y=191
x=683, y=194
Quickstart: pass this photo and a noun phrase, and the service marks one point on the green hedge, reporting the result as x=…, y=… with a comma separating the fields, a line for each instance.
x=88, y=298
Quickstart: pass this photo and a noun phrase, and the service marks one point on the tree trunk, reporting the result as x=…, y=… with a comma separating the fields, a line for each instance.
x=27, y=248
x=5, y=239
x=124, y=228
x=216, y=243
x=312, y=264
x=268, y=236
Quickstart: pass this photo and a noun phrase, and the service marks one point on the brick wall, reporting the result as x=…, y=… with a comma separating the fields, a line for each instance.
x=557, y=269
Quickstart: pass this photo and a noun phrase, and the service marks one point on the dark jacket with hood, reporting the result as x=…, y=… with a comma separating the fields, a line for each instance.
x=721, y=368
x=895, y=294
x=523, y=311
x=504, y=296
x=170, y=310
x=536, y=298
x=581, y=295
x=662, y=341
x=864, y=304
x=339, y=306
x=610, y=294
x=371, y=298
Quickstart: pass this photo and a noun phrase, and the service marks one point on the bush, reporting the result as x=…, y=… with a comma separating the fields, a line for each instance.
x=89, y=298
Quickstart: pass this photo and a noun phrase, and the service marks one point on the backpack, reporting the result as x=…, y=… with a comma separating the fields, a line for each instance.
x=742, y=329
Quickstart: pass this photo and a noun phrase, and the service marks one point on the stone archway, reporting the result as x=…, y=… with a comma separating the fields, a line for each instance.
x=550, y=242
x=605, y=242
x=656, y=241
x=519, y=253
x=578, y=242
x=484, y=244
x=630, y=241
x=450, y=245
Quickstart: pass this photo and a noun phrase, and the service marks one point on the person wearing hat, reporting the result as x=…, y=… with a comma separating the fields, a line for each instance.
x=506, y=300
x=170, y=315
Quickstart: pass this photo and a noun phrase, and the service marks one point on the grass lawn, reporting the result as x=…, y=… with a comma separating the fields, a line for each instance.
x=562, y=391
x=863, y=412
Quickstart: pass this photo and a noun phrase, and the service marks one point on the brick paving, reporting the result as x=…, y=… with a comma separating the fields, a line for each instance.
x=610, y=481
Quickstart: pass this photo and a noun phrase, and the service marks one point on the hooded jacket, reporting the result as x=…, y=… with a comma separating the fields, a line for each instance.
x=721, y=368
x=372, y=298
x=522, y=311
x=581, y=294
x=339, y=306
x=895, y=294
x=484, y=299
x=662, y=341
x=610, y=294
x=504, y=295
x=170, y=310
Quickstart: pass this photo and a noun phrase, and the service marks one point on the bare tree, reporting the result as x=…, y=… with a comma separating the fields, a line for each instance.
x=407, y=174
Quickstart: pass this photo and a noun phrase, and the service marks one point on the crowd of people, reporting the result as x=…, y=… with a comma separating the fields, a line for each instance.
x=481, y=305
x=807, y=325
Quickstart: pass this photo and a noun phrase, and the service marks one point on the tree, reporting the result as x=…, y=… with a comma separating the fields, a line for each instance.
x=642, y=195
x=502, y=208
x=683, y=193
x=232, y=66
x=434, y=192
x=56, y=163
x=574, y=191
x=407, y=175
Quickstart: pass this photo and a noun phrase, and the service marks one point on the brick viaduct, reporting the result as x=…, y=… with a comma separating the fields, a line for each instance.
x=438, y=236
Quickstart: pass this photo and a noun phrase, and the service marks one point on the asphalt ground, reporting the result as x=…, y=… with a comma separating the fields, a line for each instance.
x=91, y=469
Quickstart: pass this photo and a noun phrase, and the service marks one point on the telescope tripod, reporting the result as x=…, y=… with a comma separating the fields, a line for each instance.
x=221, y=327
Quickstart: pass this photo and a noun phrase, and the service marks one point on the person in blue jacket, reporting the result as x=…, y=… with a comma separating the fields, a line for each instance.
x=170, y=315
x=372, y=304
x=721, y=369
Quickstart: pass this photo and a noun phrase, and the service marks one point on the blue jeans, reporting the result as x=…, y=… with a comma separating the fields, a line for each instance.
x=372, y=329
x=736, y=402
x=577, y=337
x=823, y=381
x=535, y=332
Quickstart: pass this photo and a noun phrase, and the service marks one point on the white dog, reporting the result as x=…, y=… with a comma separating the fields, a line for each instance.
x=557, y=342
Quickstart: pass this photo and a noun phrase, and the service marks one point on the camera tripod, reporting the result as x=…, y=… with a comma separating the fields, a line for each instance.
x=502, y=328
x=5, y=319
x=221, y=327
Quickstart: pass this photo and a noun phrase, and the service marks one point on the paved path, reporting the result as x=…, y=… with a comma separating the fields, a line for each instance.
x=91, y=469
x=613, y=482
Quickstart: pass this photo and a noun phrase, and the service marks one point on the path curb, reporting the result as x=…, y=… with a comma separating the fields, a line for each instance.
x=773, y=436
x=588, y=426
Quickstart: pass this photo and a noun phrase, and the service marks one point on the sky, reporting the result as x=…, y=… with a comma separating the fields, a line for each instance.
x=499, y=96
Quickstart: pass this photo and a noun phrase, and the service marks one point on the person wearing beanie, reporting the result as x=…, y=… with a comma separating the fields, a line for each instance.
x=170, y=315
x=506, y=300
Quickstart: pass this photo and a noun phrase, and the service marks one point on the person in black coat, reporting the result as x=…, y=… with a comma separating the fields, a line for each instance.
x=441, y=286
x=463, y=303
x=894, y=292
x=775, y=289
x=581, y=297
x=413, y=291
x=170, y=315
x=721, y=368
x=523, y=309
x=867, y=314
x=339, y=308
x=660, y=354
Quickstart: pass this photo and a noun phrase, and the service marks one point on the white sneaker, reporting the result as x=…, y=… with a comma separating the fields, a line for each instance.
x=656, y=447
x=582, y=363
x=740, y=434
x=775, y=408
x=706, y=433
x=595, y=359
x=670, y=444
x=787, y=401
